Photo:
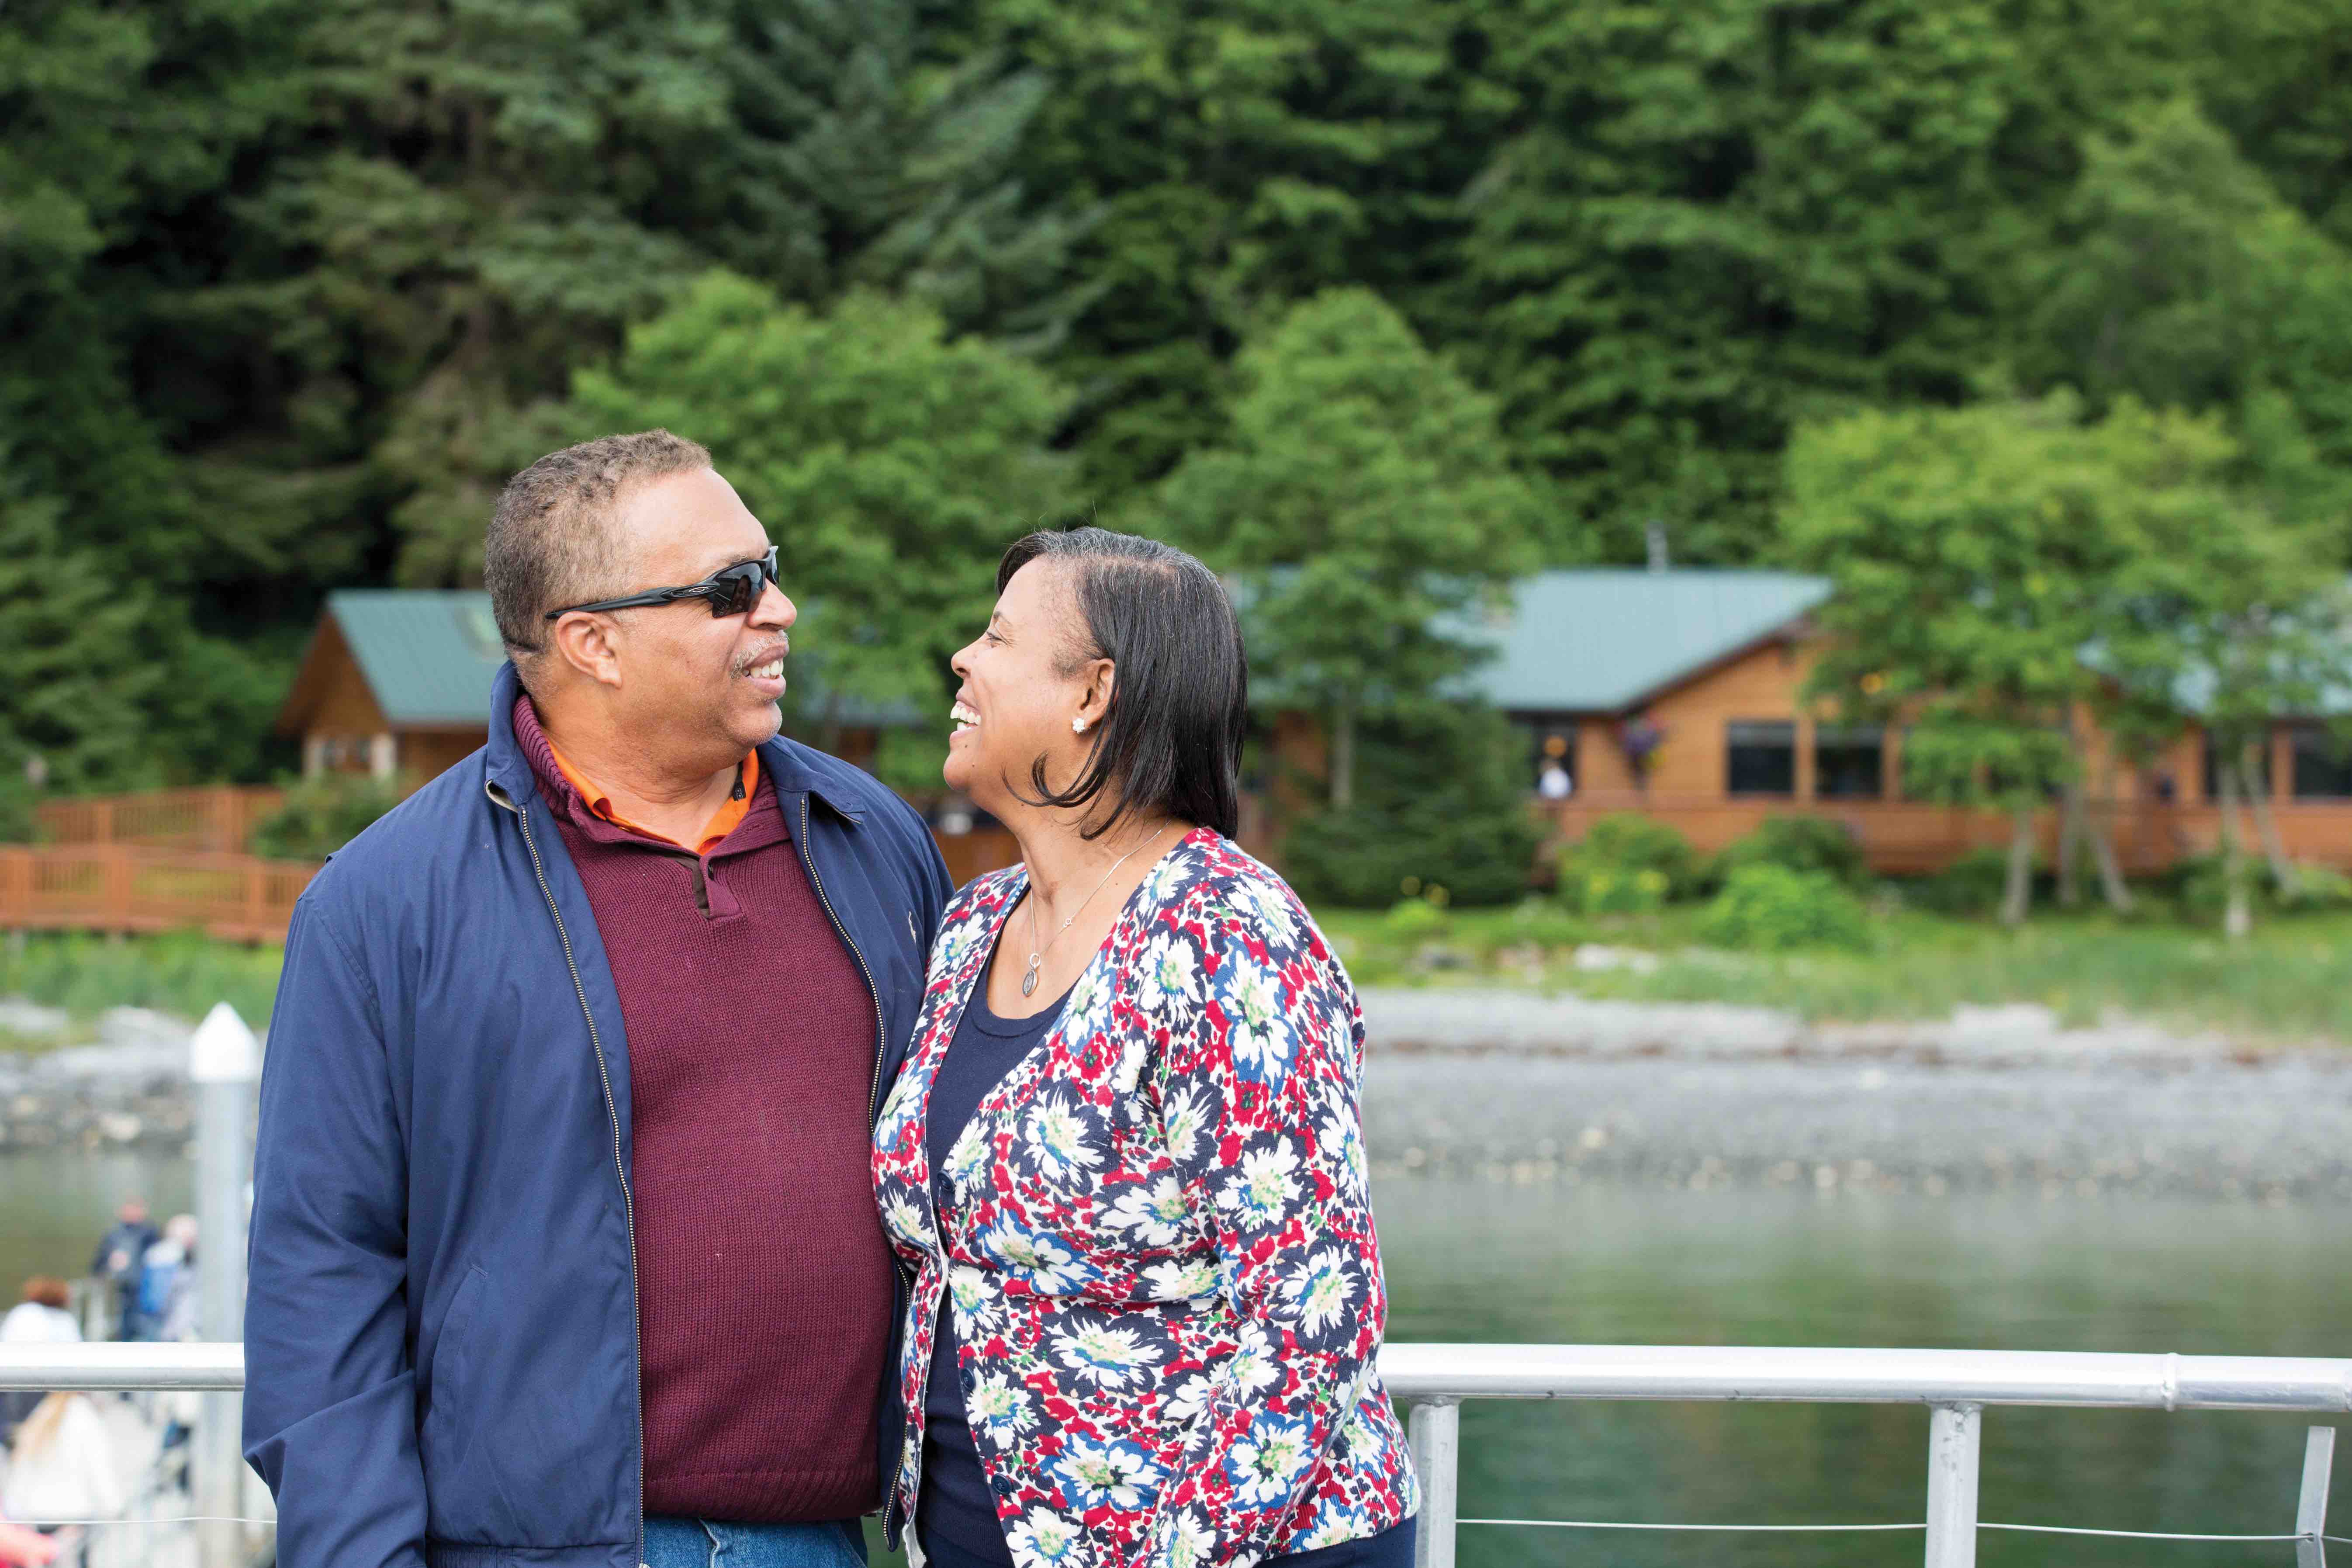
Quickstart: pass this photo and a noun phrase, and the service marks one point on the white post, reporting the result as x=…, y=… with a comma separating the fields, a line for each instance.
x=2311, y=1509
x=224, y=1059
x=1952, y=1442
x=1435, y=1429
x=383, y=756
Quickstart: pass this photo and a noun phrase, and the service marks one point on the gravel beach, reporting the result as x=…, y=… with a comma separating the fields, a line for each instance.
x=1527, y=1088
x=1532, y=1088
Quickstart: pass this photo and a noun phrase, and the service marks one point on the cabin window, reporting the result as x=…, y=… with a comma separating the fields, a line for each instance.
x=2323, y=764
x=2261, y=760
x=1761, y=757
x=1849, y=762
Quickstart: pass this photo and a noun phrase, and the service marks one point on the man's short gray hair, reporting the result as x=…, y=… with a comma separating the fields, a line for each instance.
x=550, y=540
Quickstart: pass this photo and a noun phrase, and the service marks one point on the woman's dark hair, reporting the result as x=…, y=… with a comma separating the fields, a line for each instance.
x=1180, y=708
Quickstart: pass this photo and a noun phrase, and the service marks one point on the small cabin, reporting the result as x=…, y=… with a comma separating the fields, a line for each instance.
x=395, y=684
x=1678, y=694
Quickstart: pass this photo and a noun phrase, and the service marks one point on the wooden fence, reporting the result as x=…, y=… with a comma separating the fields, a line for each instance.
x=219, y=817
x=122, y=888
x=236, y=898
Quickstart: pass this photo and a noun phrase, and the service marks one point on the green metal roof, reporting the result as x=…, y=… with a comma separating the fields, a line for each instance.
x=430, y=655
x=1604, y=640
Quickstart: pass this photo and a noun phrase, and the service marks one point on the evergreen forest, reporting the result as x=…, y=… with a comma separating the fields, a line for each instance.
x=1349, y=287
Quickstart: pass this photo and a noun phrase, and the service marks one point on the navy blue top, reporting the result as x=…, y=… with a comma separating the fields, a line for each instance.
x=953, y=1505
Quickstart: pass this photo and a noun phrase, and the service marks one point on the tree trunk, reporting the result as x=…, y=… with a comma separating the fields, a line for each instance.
x=2266, y=825
x=2111, y=870
x=2019, y=893
x=1343, y=757
x=2070, y=846
x=2237, y=917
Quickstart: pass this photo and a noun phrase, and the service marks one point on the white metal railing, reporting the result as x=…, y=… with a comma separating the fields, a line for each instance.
x=1433, y=1380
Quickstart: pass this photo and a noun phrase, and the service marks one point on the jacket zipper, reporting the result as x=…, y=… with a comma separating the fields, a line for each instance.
x=881, y=1045
x=628, y=1204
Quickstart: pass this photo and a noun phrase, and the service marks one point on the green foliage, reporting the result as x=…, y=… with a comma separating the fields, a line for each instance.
x=1774, y=909
x=1799, y=844
x=1243, y=154
x=1979, y=553
x=322, y=814
x=894, y=464
x=1415, y=920
x=2183, y=279
x=1718, y=217
x=1971, y=885
x=1604, y=890
x=1367, y=506
x=1442, y=805
x=180, y=973
x=1627, y=855
x=2199, y=886
x=76, y=662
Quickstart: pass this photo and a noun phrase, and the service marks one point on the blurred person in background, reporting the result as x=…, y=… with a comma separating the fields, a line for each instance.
x=61, y=1466
x=119, y=1252
x=40, y=1318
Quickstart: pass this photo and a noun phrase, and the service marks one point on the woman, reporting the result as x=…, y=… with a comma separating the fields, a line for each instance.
x=1125, y=1150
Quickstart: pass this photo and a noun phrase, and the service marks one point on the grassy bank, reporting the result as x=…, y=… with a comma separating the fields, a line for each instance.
x=2291, y=979
x=181, y=974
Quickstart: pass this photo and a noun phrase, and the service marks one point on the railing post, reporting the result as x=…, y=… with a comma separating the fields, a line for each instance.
x=224, y=1058
x=1435, y=1429
x=2311, y=1507
x=1953, y=1431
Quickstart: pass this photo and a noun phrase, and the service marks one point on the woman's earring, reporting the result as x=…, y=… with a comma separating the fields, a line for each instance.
x=1078, y=726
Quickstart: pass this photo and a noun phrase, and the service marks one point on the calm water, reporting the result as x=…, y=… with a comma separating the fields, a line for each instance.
x=1482, y=1261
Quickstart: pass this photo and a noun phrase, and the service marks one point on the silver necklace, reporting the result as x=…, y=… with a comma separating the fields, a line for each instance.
x=1036, y=950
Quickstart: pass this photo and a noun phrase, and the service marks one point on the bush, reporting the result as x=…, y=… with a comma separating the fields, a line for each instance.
x=322, y=814
x=1415, y=920
x=2199, y=885
x=1774, y=909
x=1609, y=863
x=1797, y=844
x=1438, y=802
x=1971, y=885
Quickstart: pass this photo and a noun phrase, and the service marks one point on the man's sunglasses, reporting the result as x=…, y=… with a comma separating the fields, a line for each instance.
x=730, y=590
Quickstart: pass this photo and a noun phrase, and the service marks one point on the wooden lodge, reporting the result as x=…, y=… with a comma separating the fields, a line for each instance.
x=1676, y=694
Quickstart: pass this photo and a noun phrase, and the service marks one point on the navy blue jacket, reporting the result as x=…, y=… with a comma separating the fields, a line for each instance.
x=441, y=1333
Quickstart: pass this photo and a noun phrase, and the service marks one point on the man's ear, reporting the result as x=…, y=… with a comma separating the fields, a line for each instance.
x=583, y=641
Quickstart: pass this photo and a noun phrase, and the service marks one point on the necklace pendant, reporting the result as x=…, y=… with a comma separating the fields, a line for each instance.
x=1029, y=976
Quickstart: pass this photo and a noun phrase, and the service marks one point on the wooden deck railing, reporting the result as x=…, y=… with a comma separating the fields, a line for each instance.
x=236, y=898
x=120, y=888
x=218, y=817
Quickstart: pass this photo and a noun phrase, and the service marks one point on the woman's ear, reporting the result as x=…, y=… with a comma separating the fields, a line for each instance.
x=1095, y=697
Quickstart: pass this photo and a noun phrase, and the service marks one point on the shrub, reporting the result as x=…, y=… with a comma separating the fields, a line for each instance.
x=1415, y=920
x=1440, y=802
x=2199, y=884
x=1797, y=844
x=1971, y=885
x=1608, y=862
x=322, y=814
x=1774, y=909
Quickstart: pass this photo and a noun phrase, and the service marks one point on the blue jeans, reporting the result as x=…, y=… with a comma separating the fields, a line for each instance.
x=672, y=1542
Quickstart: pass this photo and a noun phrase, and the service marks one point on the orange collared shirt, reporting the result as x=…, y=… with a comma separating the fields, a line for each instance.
x=724, y=821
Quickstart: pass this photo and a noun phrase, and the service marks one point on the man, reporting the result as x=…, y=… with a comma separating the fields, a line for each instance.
x=564, y=1250
x=117, y=1260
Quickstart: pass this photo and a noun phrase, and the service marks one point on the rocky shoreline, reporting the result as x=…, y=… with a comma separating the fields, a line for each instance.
x=1529, y=1089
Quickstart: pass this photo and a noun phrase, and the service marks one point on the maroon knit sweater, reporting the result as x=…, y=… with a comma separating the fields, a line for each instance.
x=763, y=1280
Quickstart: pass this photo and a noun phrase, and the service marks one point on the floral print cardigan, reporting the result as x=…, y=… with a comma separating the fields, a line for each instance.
x=1160, y=1248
